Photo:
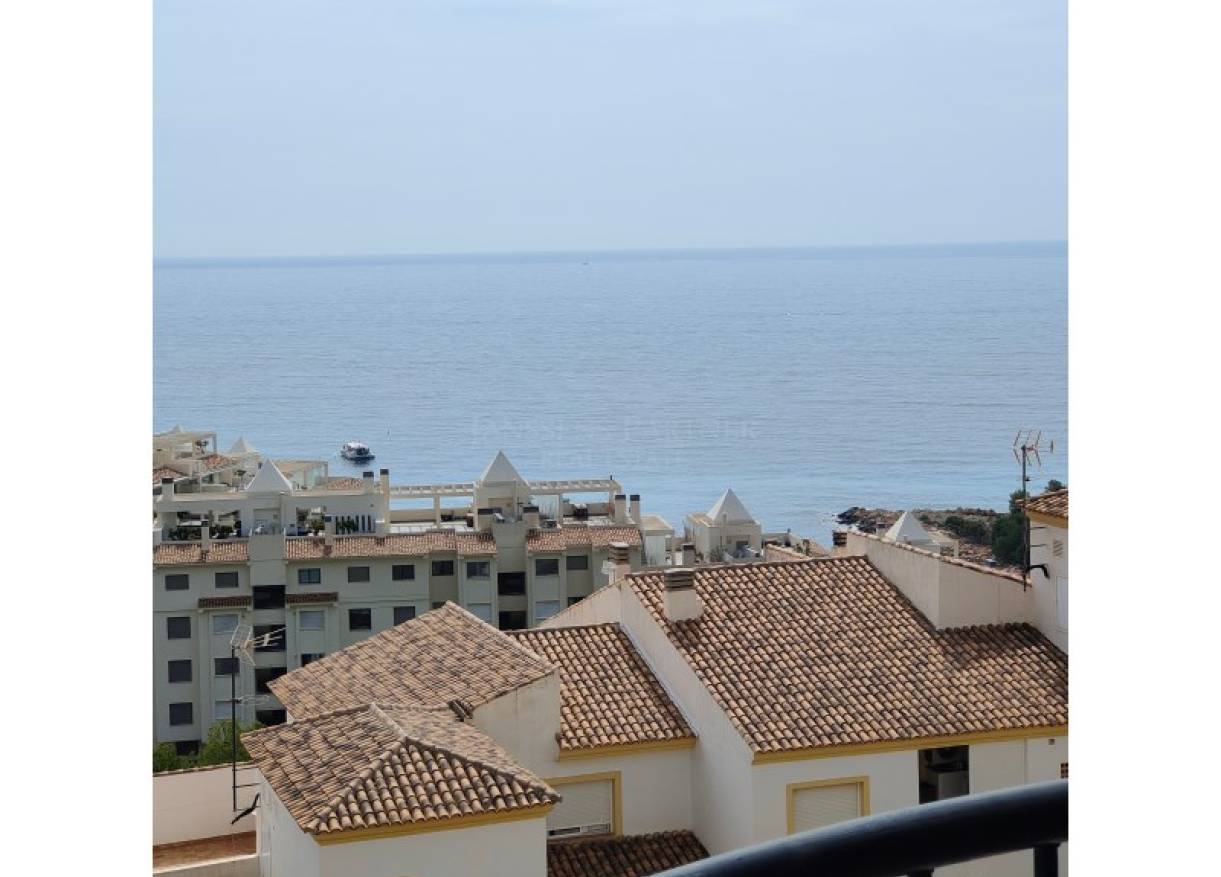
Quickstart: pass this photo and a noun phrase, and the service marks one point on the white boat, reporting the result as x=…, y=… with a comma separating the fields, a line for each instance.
x=358, y=452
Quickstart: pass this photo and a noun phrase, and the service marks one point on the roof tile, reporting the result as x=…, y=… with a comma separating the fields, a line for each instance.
x=1054, y=503
x=632, y=856
x=576, y=536
x=221, y=551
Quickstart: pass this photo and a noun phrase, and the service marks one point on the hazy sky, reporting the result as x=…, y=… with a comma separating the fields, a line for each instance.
x=296, y=127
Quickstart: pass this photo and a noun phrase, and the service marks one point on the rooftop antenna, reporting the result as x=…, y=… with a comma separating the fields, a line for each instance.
x=242, y=644
x=1027, y=447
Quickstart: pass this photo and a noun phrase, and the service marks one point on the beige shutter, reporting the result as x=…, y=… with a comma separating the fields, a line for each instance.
x=825, y=805
x=587, y=808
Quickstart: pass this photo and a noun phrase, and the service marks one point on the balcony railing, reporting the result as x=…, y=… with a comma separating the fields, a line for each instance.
x=914, y=841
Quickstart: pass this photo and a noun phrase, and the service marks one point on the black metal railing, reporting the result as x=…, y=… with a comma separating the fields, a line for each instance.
x=914, y=841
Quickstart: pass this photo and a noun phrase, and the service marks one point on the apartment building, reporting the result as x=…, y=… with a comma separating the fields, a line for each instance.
x=497, y=554
x=722, y=705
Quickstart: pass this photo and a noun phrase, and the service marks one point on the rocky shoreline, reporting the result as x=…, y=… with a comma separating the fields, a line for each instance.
x=970, y=527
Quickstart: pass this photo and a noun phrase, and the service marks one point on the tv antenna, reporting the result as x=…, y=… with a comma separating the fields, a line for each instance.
x=242, y=645
x=1028, y=447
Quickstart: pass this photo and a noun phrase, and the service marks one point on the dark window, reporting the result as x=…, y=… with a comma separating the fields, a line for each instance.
x=310, y=576
x=478, y=569
x=224, y=666
x=178, y=627
x=182, y=713
x=546, y=566
x=360, y=619
x=511, y=584
x=263, y=675
x=358, y=573
x=1063, y=770
x=180, y=671
x=271, y=717
x=512, y=620
x=178, y=581
x=268, y=597
x=403, y=572
x=403, y=613
x=226, y=580
x=310, y=657
x=275, y=642
x=945, y=772
x=576, y=562
x=186, y=747
x=442, y=567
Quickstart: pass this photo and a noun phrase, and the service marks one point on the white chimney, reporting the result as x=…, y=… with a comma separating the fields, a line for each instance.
x=620, y=508
x=384, y=481
x=634, y=500
x=529, y=514
x=688, y=554
x=620, y=558
x=328, y=530
x=682, y=603
x=380, y=529
x=483, y=520
x=205, y=532
x=368, y=480
x=167, y=488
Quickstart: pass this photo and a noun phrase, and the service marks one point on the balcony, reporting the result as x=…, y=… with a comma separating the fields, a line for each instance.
x=915, y=841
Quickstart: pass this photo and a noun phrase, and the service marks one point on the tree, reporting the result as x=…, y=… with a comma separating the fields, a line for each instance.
x=218, y=748
x=166, y=757
x=1008, y=533
x=1055, y=485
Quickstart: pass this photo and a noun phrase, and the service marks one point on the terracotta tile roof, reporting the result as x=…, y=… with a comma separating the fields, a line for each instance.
x=632, y=856
x=214, y=462
x=343, y=483
x=827, y=653
x=561, y=538
x=165, y=472
x=381, y=765
x=393, y=545
x=319, y=597
x=443, y=655
x=610, y=697
x=222, y=551
x=1054, y=503
x=234, y=602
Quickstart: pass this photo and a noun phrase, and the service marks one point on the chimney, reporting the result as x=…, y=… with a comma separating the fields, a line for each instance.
x=205, y=533
x=328, y=530
x=483, y=520
x=380, y=529
x=688, y=554
x=384, y=480
x=167, y=488
x=635, y=505
x=620, y=508
x=681, y=601
x=529, y=514
x=620, y=557
x=368, y=478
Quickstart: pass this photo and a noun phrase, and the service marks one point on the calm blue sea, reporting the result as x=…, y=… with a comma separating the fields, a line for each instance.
x=808, y=380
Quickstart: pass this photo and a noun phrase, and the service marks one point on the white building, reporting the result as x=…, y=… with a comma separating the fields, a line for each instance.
x=737, y=702
x=726, y=532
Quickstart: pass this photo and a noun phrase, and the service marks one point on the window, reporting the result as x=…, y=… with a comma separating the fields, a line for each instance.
x=481, y=610
x=310, y=657
x=442, y=567
x=182, y=714
x=224, y=666
x=268, y=597
x=311, y=619
x=944, y=773
x=511, y=584
x=826, y=802
x=547, y=566
x=178, y=627
x=224, y=625
x=576, y=562
x=403, y=613
x=1057, y=548
x=309, y=576
x=275, y=637
x=226, y=580
x=360, y=619
x=180, y=671
x=222, y=711
x=178, y=581
x=1063, y=770
x=1062, y=602
x=186, y=747
x=358, y=573
x=545, y=609
x=588, y=808
x=271, y=717
x=263, y=675
x=478, y=569
x=512, y=620
x=402, y=572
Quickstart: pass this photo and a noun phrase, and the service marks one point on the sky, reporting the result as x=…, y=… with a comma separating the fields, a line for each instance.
x=306, y=128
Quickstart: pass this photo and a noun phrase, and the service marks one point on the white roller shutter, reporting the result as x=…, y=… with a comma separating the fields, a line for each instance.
x=825, y=805
x=587, y=808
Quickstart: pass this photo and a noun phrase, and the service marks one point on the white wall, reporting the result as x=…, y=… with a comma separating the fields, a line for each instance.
x=655, y=787
x=194, y=804
x=284, y=849
x=1045, y=595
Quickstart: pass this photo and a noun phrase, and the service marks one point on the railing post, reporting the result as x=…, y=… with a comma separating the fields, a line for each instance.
x=1047, y=860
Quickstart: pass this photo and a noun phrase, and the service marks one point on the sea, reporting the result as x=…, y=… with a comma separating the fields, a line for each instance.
x=807, y=379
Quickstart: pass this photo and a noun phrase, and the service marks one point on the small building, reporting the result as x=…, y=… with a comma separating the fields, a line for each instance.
x=908, y=530
x=726, y=532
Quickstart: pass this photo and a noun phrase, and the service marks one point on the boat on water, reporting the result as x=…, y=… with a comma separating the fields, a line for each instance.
x=357, y=452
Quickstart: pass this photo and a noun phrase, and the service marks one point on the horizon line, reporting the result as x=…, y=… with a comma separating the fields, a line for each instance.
x=184, y=261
